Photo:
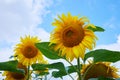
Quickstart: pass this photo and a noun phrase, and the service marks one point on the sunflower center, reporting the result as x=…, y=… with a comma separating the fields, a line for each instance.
x=99, y=70
x=30, y=51
x=72, y=36
x=19, y=76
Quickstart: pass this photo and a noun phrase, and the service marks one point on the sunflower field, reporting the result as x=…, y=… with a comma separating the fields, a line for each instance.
x=73, y=40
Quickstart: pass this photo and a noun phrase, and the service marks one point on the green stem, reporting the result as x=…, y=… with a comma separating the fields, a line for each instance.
x=45, y=77
x=87, y=70
x=72, y=65
x=71, y=76
x=79, y=66
x=28, y=70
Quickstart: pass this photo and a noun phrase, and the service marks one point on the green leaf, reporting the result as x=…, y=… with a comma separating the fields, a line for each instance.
x=43, y=73
x=47, y=50
x=10, y=66
x=103, y=55
x=69, y=70
x=63, y=71
x=59, y=66
x=97, y=29
x=58, y=74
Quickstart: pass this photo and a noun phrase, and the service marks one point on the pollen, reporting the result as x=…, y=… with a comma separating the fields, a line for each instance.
x=72, y=36
x=30, y=51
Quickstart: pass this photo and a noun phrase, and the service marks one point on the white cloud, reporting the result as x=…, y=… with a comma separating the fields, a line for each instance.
x=20, y=18
x=114, y=46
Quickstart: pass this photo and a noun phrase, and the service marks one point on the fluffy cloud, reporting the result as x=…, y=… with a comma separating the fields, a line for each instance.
x=19, y=18
x=114, y=46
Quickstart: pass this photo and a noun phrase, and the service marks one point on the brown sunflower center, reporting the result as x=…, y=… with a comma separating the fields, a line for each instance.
x=98, y=70
x=72, y=36
x=19, y=76
x=30, y=51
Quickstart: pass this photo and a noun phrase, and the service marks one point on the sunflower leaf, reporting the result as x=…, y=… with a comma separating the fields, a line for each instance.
x=10, y=66
x=59, y=66
x=69, y=70
x=97, y=29
x=103, y=55
x=47, y=50
x=58, y=74
x=43, y=73
x=61, y=69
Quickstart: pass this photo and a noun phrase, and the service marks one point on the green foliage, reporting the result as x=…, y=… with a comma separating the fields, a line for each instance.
x=101, y=55
x=97, y=29
x=43, y=73
x=61, y=69
x=47, y=50
x=10, y=66
x=59, y=66
x=71, y=69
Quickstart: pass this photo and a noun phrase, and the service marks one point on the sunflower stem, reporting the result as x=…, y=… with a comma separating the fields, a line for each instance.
x=72, y=65
x=79, y=67
x=71, y=76
x=28, y=70
x=45, y=77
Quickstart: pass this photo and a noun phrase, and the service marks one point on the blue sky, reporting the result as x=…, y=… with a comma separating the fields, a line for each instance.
x=34, y=17
x=104, y=13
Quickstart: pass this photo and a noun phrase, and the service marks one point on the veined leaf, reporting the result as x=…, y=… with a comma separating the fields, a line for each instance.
x=59, y=66
x=47, y=50
x=103, y=55
x=61, y=69
x=10, y=66
x=97, y=29
x=69, y=70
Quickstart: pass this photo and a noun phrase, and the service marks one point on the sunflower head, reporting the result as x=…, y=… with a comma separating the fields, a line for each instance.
x=99, y=69
x=16, y=76
x=26, y=51
x=71, y=36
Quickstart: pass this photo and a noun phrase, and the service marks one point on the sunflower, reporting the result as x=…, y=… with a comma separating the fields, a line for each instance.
x=26, y=51
x=99, y=69
x=16, y=76
x=72, y=36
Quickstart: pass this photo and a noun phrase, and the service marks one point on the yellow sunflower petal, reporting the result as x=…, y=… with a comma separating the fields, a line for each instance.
x=72, y=37
x=76, y=51
x=26, y=50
